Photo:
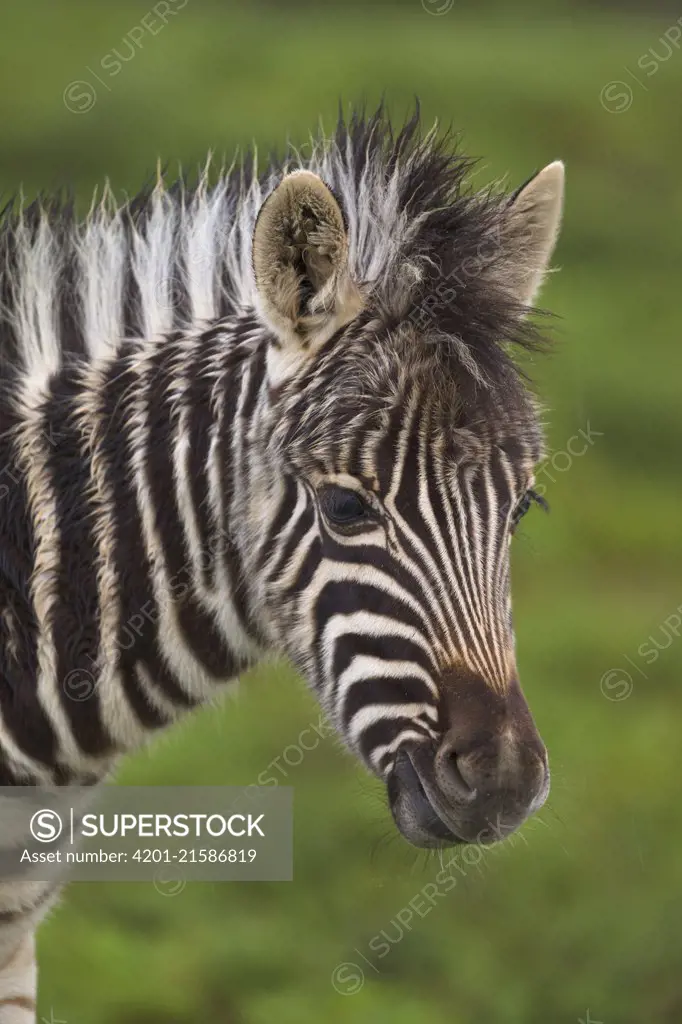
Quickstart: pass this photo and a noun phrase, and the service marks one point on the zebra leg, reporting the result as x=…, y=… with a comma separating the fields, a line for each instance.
x=22, y=906
x=18, y=979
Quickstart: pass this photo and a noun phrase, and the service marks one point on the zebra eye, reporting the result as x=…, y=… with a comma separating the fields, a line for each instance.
x=342, y=506
x=530, y=497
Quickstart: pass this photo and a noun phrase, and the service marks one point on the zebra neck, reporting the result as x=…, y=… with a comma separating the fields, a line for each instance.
x=136, y=603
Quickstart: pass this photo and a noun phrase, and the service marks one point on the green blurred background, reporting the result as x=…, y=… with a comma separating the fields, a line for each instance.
x=581, y=921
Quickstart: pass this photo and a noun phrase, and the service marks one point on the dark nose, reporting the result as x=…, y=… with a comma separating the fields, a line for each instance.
x=489, y=772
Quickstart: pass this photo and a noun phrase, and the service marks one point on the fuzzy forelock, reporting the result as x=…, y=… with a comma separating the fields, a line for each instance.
x=424, y=245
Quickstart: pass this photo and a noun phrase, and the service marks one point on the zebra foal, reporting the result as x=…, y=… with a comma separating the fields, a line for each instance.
x=273, y=413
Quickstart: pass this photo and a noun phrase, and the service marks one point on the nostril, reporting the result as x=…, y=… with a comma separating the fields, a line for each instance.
x=453, y=777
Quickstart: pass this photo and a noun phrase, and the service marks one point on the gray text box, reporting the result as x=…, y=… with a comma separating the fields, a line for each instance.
x=146, y=833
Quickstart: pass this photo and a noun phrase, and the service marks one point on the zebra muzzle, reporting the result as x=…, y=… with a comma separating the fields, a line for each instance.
x=484, y=778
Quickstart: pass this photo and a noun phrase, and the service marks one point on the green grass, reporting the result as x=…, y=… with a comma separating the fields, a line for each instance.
x=586, y=913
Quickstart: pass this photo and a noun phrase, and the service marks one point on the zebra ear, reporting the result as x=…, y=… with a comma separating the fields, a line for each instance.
x=300, y=260
x=531, y=231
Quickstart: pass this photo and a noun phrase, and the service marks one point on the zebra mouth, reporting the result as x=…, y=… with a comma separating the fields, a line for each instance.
x=413, y=812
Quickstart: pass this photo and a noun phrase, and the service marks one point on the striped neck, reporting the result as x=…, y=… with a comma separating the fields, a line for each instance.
x=131, y=480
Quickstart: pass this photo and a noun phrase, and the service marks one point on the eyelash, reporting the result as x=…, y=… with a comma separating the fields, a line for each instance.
x=531, y=497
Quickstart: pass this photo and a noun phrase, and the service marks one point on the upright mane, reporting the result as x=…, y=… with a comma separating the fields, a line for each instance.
x=178, y=255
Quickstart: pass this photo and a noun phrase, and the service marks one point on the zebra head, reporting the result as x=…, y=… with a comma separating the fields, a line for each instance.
x=404, y=440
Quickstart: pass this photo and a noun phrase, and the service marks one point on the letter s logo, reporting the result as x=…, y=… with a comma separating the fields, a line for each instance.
x=46, y=826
